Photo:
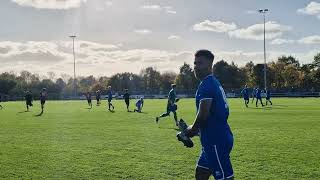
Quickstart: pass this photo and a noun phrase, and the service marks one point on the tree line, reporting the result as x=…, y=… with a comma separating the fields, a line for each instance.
x=284, y=74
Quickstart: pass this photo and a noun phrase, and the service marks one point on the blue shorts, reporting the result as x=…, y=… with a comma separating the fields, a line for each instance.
x=109, y=100
x=172, y=108
x=216, y=159
x=246, y=98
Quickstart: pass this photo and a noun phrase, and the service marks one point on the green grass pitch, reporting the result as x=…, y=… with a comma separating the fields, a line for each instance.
x=70, y=141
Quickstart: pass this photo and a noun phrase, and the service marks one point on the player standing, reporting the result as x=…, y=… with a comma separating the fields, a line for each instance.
x=98, y=97
x=245, y=94
x=268, y=97
x=110, y=98
x=126, y=98
x=211, y=122
x=253, y=94
x=89, y=99
x=258, y=97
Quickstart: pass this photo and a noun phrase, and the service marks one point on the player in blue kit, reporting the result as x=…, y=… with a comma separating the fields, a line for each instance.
x=211, y=122
x=268, y=97
x=110, y=98
x=171, y=105
x=245, y=94
x=253, y=94
x=139, y=105
x=258, y=97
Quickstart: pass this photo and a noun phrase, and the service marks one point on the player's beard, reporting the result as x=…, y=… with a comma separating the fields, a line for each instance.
x=200, y=74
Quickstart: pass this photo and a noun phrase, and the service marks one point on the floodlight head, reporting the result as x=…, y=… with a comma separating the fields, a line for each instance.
x=260, y=10
x=73, y=36
x=266, y=10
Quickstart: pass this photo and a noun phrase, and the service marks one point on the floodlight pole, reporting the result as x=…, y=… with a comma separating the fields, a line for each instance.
x=74, y=66
x=264, y=11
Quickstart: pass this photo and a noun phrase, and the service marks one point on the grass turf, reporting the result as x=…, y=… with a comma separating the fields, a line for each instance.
x=70, y=141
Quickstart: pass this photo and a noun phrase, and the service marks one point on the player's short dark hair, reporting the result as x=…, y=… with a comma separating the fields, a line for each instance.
x=205, y=53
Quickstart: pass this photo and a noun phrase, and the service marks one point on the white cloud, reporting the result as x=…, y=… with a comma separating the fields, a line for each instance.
x=152, y=7
x=106, y=59
x=282, y=41
x=310, y=40
x=313, y=8
x=108, y=3
x=241, y=57
x=255, y=32
x=251, y=12
x=174, y=37
x=215, y=26
x=91, y=58
x=170, y=10
x=50, y=4
x=167, y=9
x=143, y=31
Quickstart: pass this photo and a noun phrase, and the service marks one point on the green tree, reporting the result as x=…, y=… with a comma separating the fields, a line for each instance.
x=151, y=81
x=7, y=83
x=316, y=61
x=167, y=79
x=186, y=80
x=229, y=75
x=287, y=60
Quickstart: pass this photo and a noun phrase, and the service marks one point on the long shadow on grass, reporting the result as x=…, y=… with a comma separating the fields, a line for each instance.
x=38, y=115
x=266, y=108
x=141, y=112
x=280, y=106
x=177, y=129
x=23, y=112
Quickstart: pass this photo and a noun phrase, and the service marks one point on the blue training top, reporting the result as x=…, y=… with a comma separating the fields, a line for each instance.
x=216, y=129
x=109, y=94
x=268, y=94
x=139, y=103
x=245, y=93
x=258, y=93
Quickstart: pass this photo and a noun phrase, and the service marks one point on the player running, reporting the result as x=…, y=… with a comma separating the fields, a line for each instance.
x=43, y=98
x=126, y=98
x=171, y=106
x=211, y=122
x=258, y=97
x=139, y=105
x=89, y=99
x=110, y=98
x=28, y=97
x=268, y=97
x=245, y=94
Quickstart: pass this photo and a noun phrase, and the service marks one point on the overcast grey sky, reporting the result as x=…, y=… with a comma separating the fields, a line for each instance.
x=128, y=35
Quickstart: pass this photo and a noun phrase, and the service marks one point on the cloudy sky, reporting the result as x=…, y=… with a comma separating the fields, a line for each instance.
x=128, y=35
